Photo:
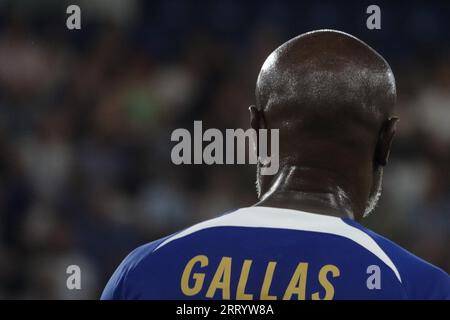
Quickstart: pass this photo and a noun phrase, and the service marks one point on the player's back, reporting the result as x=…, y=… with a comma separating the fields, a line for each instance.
x=273, y=253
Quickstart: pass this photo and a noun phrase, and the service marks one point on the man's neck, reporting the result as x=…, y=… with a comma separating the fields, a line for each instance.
x=309, y=189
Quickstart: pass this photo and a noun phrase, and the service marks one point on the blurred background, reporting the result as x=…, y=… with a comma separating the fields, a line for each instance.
x=86, y=117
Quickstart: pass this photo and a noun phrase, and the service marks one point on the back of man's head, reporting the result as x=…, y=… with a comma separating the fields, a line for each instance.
x=330, y=95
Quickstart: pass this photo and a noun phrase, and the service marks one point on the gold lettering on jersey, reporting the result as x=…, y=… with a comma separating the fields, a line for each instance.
x=297, y=285
x=268, y=281
x=240, y=293
x=198, y=277
x=221, y=280
x=325, y=283
x=220, y=285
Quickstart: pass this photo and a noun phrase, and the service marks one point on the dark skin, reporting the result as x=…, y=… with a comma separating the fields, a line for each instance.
x=331, y=96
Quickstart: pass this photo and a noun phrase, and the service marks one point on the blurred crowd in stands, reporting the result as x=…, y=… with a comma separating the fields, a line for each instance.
x=86, y=118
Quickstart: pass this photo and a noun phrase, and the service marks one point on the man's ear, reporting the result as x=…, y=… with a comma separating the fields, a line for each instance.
x=384, y=142
x=257, y=120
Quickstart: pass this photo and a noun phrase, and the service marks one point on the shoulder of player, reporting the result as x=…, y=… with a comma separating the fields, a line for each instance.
x=146, y=252
x=142, y=254
x=418, y=275
x=405, y=258
x=122, y=281
x=393, y=250
x=411, y=264
x=401, y=256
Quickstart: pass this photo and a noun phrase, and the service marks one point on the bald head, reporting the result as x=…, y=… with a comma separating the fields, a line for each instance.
x=323, y=74
x=329, y=93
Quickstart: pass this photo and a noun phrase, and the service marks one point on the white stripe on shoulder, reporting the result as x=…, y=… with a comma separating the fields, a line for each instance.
x=278, y=218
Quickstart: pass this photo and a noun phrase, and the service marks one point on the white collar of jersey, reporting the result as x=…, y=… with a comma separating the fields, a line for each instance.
x=279, y=218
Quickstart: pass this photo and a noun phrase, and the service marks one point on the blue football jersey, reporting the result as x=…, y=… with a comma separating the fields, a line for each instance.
x=273, y=253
